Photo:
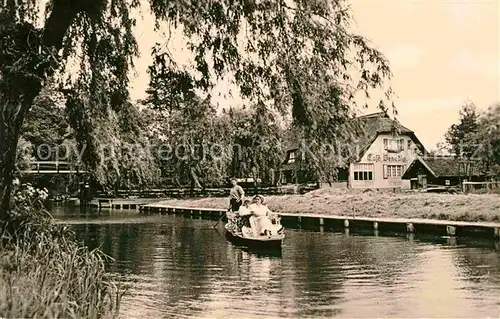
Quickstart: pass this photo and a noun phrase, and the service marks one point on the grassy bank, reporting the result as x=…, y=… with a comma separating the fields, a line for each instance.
x=342, y=202
x=46, y=273
x=53, y=277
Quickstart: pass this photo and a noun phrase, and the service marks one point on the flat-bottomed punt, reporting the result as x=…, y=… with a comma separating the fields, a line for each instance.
x=248, y=237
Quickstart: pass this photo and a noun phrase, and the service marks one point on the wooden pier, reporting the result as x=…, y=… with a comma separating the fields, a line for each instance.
x=120, y=203
x=345, y=223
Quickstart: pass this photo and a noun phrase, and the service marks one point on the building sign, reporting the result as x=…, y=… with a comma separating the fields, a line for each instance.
x=386, y=158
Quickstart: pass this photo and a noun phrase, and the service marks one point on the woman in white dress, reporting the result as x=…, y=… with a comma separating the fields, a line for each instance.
x=261, y=213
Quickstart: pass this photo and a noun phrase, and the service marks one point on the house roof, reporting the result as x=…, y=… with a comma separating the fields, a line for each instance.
x=291, y=140
x=371, y=126
x=378, y=123
x=381, y=123
x=287, y=165
x=445, y=166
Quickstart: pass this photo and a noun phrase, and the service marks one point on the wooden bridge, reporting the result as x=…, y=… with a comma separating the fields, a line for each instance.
x=53, y=167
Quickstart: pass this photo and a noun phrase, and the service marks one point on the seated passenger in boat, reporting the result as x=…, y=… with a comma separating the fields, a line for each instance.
x=261, y=215
x=242, y=216
x=244, y=211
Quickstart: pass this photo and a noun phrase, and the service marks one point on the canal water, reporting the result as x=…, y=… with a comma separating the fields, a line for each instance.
x=179, y=267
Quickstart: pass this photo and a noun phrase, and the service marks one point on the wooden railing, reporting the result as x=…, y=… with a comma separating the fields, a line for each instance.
x=483, y=186
x=53, y=167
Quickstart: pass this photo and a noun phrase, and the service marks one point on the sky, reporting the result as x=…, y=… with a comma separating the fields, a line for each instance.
x=442, y=53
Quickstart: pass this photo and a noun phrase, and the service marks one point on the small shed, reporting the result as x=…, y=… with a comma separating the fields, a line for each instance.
x=442, y=171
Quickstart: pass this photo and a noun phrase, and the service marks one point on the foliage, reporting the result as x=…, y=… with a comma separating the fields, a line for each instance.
x=47, y=123
x=278, y=51
x=477, y=136
x=114, y=144
x=117, y=145
x=46, y=135
x=24, y=156
x=44, y=272
x=258, y=146
x=24, y=59
x=195, y=147
x=329, y=148
x=122, y=156
x=460, y=136
x=487, y=139
x=295, y=57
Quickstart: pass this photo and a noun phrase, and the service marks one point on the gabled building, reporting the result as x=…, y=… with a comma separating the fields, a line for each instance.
x=292, y=168
x=384, y=151
x=436, y=170
x=387, y=148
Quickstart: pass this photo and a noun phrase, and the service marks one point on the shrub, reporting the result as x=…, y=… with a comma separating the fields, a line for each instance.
x=45, y=272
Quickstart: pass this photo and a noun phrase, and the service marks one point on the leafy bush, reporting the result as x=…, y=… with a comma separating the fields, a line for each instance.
x=45, y=272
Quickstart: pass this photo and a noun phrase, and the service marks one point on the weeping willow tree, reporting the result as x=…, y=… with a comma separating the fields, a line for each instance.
x=294, y=56
x=258, y=147
x=195, y=147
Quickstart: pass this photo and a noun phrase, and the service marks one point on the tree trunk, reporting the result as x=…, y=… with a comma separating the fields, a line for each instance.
x=19, y=91
x=13, y=112
x=195, y=182
x=8, y=146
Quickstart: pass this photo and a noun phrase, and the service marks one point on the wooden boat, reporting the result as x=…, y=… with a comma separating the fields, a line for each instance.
x=248, y=237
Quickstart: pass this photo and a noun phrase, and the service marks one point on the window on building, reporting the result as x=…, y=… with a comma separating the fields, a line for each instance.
x=363, y=172
x=393, y=171
x=394, y=145
x=291, y=157
x=409, y=145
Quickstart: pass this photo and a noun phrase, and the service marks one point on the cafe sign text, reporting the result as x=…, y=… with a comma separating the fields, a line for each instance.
x=386, y=158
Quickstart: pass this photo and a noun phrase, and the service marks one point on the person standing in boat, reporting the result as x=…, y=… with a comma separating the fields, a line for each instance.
x=236, y=196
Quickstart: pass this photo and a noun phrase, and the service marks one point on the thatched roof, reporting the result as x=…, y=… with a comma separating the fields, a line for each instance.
x=372, y=125
x=378, y=123
x=291, y=140
x=446, y=166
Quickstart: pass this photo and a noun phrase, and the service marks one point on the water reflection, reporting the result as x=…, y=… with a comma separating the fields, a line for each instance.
x=182, y=267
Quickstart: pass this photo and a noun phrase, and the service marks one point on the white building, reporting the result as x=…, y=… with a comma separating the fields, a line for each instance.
x=386, y=150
